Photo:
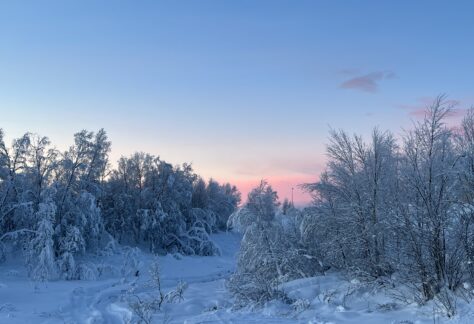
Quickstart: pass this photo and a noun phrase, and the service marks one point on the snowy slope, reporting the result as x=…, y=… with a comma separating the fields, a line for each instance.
x=322, y=299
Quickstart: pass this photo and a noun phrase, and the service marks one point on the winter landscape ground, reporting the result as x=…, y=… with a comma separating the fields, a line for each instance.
x=321, y=300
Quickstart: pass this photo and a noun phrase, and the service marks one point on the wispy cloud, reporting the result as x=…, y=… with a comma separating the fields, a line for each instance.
x=304, y=166
x=418, y=109
x=367, y=82
x=283, y=185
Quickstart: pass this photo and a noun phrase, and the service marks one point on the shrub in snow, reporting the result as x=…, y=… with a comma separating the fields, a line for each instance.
x=131, y=262
x=201, y=218
x=87, y=271
x=67, y=266
x=177, y=295
x=111, y=248
x=144, y=306
x=300, y=305
x=446, y=303
x=240, y=220
x=387, y=307
x=197, y=241
x=142, y=309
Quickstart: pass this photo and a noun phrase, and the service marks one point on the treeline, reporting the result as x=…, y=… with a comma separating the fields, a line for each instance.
x=57, y=206
x=383, y=208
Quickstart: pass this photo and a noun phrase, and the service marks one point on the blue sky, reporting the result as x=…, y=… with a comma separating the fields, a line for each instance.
x=242, y=89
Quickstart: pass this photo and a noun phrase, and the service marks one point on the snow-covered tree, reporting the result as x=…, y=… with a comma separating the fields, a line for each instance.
x=426, y=199
x=464, y=146
x=351, y=212
x=259, y=265
x=70, y=245
x=41, y=260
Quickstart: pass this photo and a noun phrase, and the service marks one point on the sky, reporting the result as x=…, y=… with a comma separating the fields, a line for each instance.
x=243, y=90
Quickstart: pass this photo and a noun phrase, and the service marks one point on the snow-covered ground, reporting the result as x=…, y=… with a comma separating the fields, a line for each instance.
x=324, y=299
x=102, y=301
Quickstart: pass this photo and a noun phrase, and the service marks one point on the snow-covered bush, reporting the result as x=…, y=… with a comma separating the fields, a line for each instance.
x=67, y=266
x=131, y=262
x=87, y=271
x=144, y=306
x=240, y=220
x=196, y=241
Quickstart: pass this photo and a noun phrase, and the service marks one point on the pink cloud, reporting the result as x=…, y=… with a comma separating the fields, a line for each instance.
x=308, y=165
x=368, y=82
x=418, y=110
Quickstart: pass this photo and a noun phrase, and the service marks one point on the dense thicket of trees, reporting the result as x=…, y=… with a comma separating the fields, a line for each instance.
x=382, y=207
x=56, y=206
